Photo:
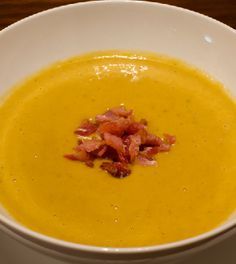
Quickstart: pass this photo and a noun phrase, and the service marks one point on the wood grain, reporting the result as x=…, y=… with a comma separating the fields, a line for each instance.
x=14, y=10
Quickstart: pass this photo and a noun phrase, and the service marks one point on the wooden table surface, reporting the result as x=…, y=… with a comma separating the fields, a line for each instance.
x=14, y=10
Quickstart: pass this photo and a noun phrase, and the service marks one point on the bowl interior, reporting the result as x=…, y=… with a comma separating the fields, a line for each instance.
x=57, y=34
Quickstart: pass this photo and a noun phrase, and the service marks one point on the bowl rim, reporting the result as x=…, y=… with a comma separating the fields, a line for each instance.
x=19, y=229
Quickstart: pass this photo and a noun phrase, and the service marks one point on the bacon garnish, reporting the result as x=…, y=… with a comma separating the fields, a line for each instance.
x=106, y=117
x=121, y=111
x=86, y=128
x=152, y=140
x=79, y=156
x=135, y=127
x=71, y=156
x=144, y=161
x=102, y=151
x=90, y=145
x=170, y=139
x=117, y=137
x=116, y=169
x=133, y=150
x=149, y=152
x=115, y=142
x=117, y=127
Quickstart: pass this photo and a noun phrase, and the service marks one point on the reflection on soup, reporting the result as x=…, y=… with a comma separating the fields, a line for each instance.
x=191, y=189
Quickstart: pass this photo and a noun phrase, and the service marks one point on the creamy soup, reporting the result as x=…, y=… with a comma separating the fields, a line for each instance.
x=192, y=188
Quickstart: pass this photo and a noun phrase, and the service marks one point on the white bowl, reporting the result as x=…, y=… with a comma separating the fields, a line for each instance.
x=56, y=34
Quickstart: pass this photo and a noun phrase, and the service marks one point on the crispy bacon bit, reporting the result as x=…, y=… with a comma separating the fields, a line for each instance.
x=102, y=151
x=79, y=156
x=149, y=152
x=121, y=111
x=117, y=127
x=135, y=142
x=90, y=145
x=114, y=142
x=164, y=147
x=116, y=169
x=71, y=156
x=86, y=128
x=145, y=161
x=170, y=139
x=135, y=127
x=153, y=140
x=143, y=134
x=106, y=117
x=116, y=136
x=89, y=163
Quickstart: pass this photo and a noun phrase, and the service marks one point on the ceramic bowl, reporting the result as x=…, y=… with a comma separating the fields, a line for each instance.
x=59, y=33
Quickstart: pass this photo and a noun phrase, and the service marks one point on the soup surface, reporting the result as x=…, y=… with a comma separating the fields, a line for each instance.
x=190, y=191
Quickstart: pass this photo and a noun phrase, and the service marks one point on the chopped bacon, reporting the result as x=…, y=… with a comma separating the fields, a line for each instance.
x=143, y=134
x=114, y=142
x=117, y=127
x=152, y=140
x=124, y=157
x=86, y=128
x=121, y=111
x=135, y=127
x=106, y=117
x=113, y=114
x=170, y=139
x=116, y=169
x=117, y=137
x=164, y=147
x=90, y=145
x=149, y=152
x=71, y=156
x=135, y=142
x=102, y=151
x=144, y=161
x=89, y=163
x=80, y=156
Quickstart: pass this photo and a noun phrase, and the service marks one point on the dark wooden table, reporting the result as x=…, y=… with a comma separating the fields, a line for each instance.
x=14, y=10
